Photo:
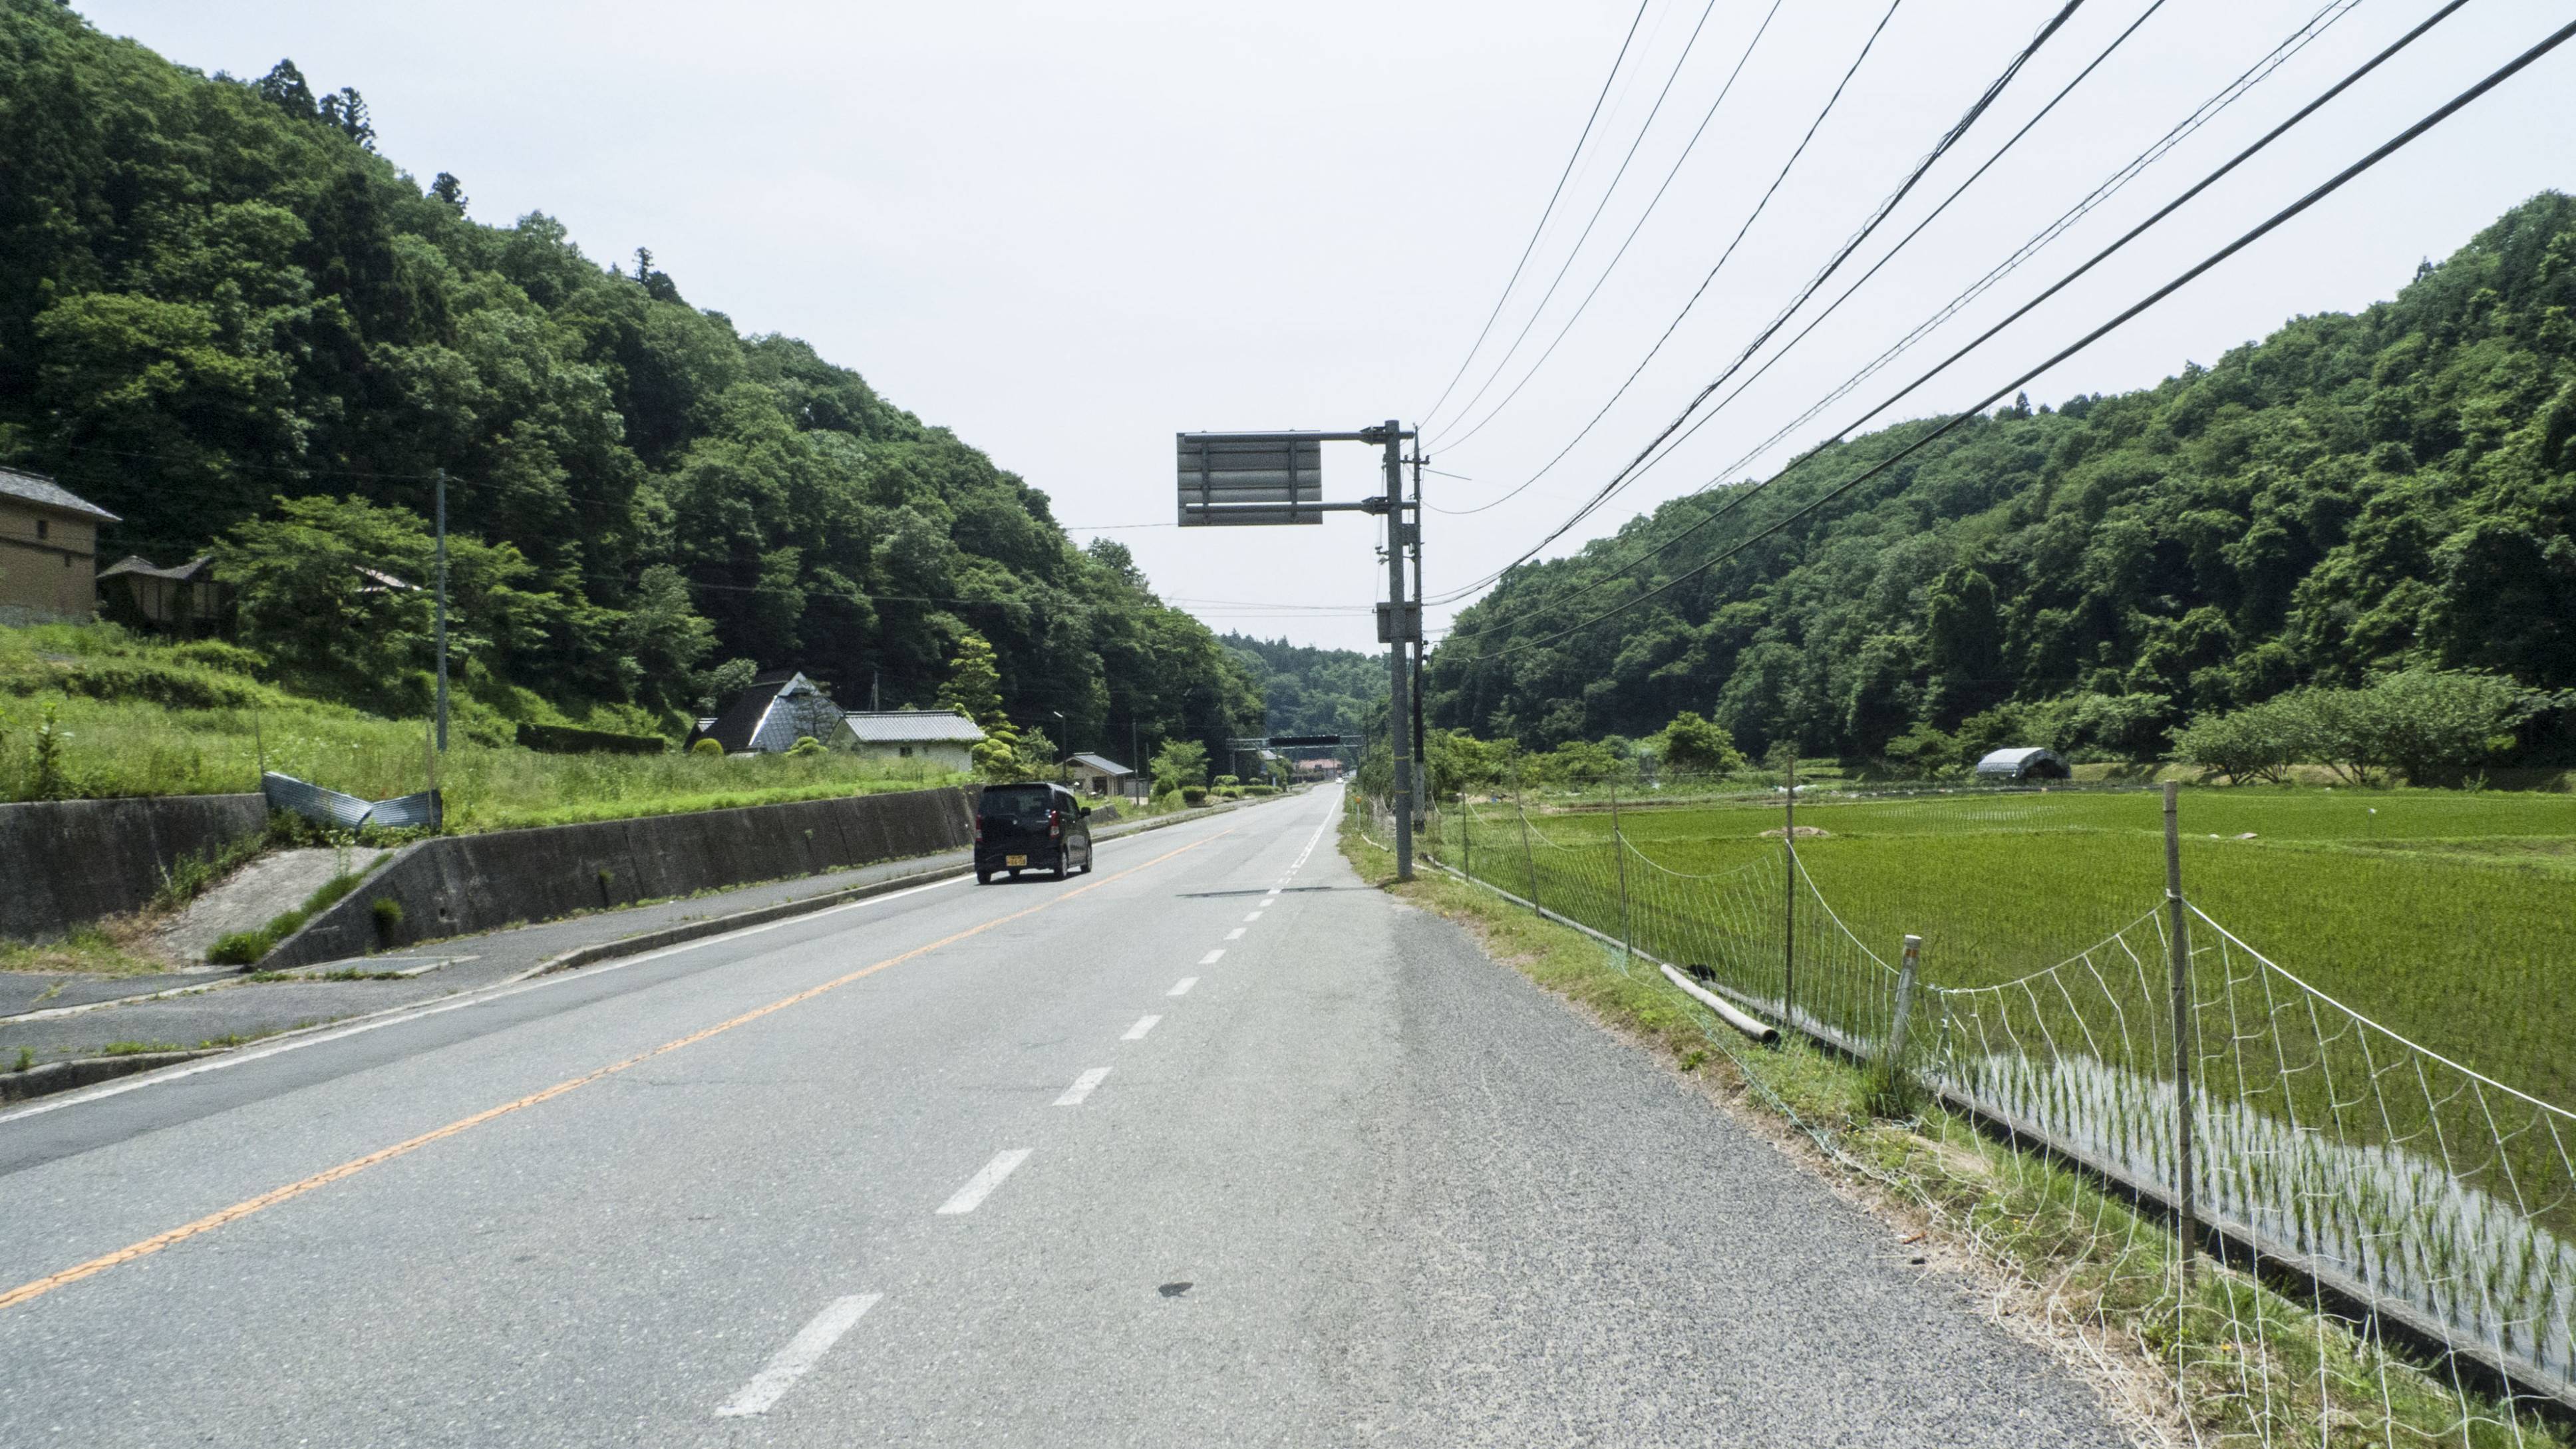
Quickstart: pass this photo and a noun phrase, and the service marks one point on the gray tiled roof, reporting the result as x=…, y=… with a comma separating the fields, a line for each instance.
x=36, y=488
x=1099, y=762
x=912, y=726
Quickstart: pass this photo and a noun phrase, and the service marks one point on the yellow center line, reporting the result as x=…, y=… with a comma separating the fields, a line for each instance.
x=356, y=1165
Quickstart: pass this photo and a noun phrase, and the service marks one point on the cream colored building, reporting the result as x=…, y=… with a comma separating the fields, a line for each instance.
x=48, y=549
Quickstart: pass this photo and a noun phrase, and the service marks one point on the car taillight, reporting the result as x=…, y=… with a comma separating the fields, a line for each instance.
x=979, y=830
x=1055, y=824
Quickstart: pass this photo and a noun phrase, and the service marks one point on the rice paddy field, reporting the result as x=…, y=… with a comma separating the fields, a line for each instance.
x=2447, y=916
x=2327, y=1123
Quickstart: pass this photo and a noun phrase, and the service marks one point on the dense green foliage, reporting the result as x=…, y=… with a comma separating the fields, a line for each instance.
x=1311, y=691
x=215, y=297
x=2351, y=495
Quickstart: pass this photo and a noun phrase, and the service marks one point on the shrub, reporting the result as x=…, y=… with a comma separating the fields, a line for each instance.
x=806, y=745
x=707, y=747
x=241, y=948
x=1194, y=794
x=389, y=917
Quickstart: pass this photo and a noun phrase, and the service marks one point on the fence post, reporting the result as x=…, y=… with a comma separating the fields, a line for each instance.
x=1527, y=854
x=1466, y=839
x=2186, y=1217
x=1619, y=852
x=1789, y=891
x=1895, y=1058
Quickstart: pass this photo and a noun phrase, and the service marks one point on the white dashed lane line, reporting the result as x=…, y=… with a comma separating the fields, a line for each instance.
x=1235, y=935
x=1143, y=1025
x=981, y=1185
x=801, y=1353
x=1256, y=915
x=1212, y=957
x=1082, y=1086
x=1183, y=989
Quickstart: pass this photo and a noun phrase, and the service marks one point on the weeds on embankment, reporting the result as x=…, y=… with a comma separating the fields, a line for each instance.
x=2228, y=1359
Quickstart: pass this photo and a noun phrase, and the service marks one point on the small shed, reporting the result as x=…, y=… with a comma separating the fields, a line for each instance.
x=2029, y=762
x=781, y=707
x=942, y=738
x=1099, y=775
x=48, y=549
x=175, y=598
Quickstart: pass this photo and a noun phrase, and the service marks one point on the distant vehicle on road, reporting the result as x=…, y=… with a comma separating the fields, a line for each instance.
x=1031, y=827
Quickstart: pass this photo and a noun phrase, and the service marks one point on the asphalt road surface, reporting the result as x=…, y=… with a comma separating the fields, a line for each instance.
x=1213, y=1146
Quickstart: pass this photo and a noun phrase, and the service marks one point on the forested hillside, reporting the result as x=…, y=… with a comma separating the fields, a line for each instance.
x=216, y=297
x=1313, y=691
x=2350, y=495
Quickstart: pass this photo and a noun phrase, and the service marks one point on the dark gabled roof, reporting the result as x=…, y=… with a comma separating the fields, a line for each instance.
x=753, y=722
x=37, y=488
x=137, y=564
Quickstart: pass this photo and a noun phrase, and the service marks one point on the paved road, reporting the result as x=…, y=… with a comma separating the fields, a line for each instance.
x=1213, y=1147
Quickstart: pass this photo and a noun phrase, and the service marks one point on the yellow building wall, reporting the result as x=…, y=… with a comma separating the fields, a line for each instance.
x=48, y=560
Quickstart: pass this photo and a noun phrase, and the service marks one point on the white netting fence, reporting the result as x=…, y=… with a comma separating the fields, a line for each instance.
x=2386, y=1239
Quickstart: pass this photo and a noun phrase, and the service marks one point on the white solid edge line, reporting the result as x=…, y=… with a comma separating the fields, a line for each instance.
x=1212, y=957
x=242, y=1056
x=1082, y=1086
x=981, y=1185
x=1143, y=1025
x=1183, y=988
x=801, y=1353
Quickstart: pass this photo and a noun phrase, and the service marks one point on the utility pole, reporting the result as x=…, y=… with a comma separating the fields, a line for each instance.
x=442, y=611
x=1420, y=754
x=1399, y=673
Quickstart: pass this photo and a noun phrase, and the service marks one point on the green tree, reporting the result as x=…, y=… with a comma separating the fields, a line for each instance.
x=974, y=687
x=1691, y=745
x=1179, y=765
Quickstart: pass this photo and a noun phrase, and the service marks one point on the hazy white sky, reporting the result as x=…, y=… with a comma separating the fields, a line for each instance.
x=1070, y=231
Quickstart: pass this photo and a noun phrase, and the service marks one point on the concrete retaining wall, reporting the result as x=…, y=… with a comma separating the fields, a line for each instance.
x=459, y=884
x=64, y=863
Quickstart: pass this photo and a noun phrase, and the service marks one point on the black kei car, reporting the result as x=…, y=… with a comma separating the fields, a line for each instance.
x=1031, y=827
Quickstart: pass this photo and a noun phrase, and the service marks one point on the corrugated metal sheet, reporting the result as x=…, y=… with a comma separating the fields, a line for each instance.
x=330, y=807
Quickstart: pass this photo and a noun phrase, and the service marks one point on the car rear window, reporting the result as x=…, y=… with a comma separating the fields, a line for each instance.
x=1006, y=801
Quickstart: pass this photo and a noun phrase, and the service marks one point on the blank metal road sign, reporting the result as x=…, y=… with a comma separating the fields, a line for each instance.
x=1280, y=474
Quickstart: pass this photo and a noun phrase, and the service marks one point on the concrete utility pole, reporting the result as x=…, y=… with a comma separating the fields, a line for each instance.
x=442, y=611
x=1399, y=671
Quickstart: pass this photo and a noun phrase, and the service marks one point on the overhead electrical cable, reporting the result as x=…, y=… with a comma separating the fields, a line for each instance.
x=1550, y=209
x=1948, y=139
x=1586, y=430
x=1574, y=252
x=1736, y=501
x=2270, y=224
x=1613, y=265
x=2012, y=263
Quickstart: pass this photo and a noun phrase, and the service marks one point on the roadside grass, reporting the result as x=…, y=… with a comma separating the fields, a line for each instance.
x=2241, y=1359
x=2443, y=916
x=132, y=717
x=106, y=949
x=242, y=948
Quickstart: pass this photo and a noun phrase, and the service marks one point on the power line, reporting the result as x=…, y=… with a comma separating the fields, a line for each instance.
x=1948, y=139
x=1743, y=494
x=2277, y=219
x=1549, y=210
x=1656, y=200
x=1594, y=220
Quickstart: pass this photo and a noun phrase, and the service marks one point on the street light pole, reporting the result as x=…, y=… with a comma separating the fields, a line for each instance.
x=442, y=611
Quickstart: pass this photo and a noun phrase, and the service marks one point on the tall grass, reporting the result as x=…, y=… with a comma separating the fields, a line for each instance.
x=128, y=717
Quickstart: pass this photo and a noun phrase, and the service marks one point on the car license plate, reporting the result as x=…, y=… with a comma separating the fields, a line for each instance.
x=1015, y=860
